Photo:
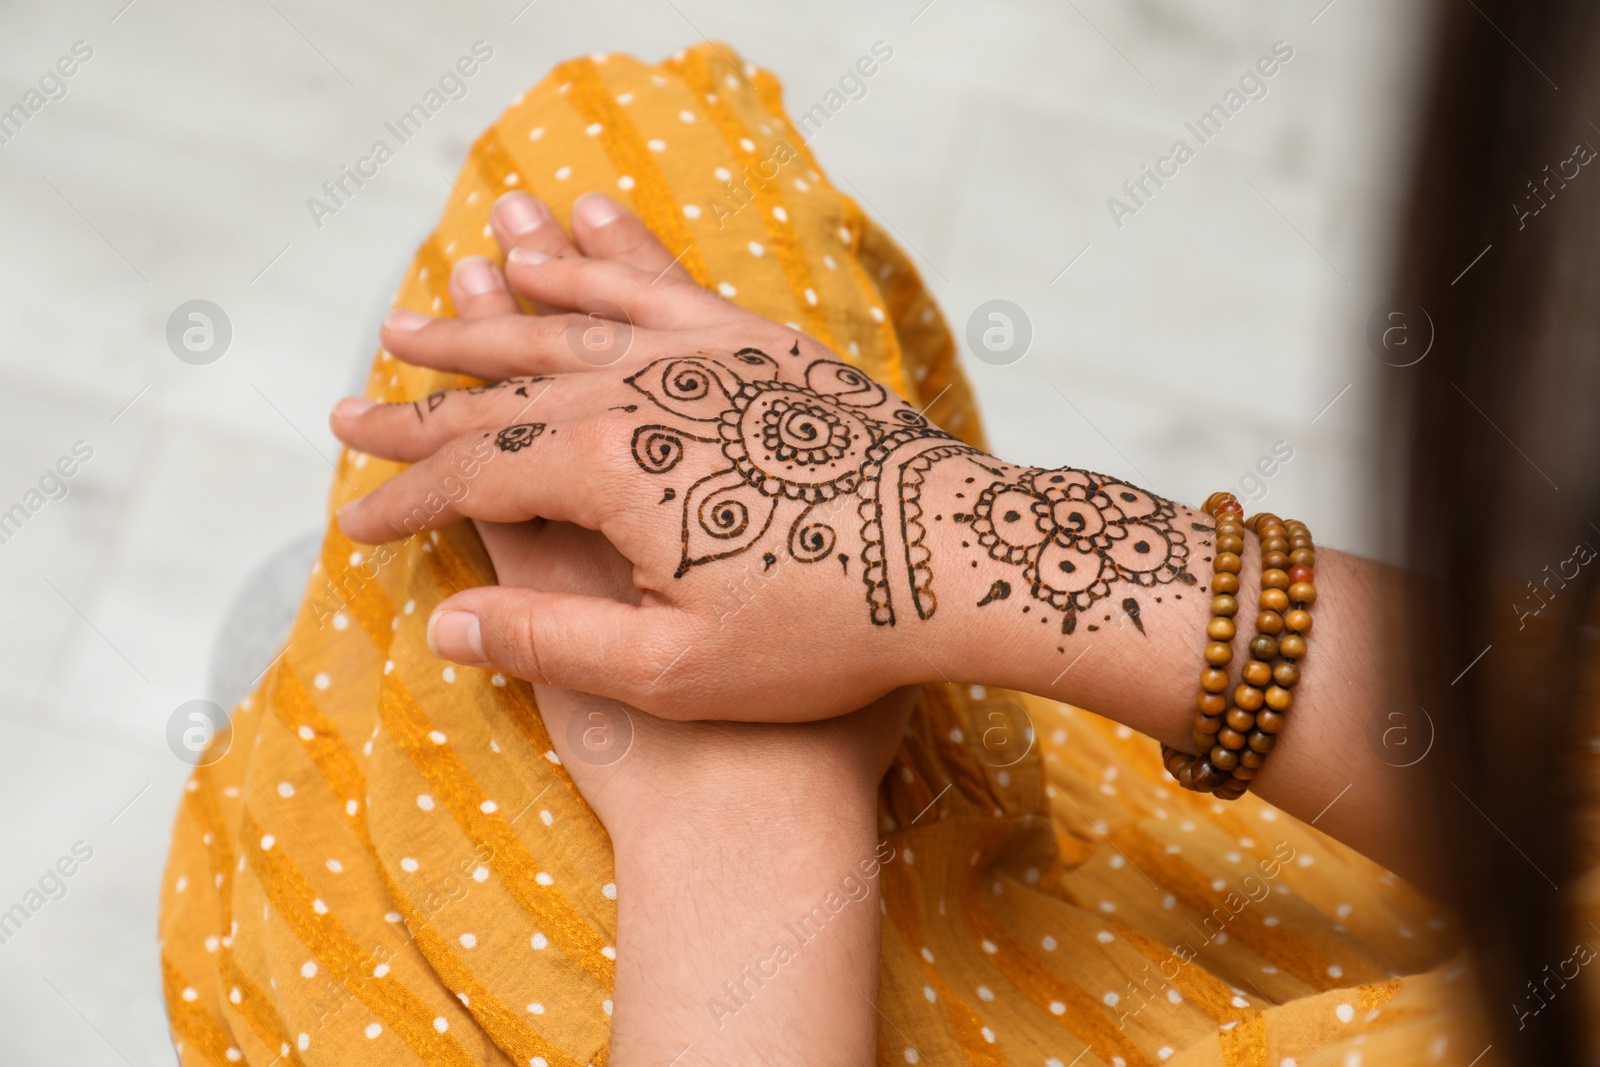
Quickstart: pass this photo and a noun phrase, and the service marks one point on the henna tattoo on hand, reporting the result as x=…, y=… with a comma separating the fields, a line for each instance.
x=516, y=438
x=800, y=456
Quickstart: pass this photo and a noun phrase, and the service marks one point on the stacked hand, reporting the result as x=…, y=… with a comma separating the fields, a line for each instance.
x=801, y=540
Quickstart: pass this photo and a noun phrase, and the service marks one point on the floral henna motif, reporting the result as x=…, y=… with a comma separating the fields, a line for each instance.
x=793, y=456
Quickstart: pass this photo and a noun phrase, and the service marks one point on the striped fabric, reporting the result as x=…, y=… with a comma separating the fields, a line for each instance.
x=389, y=865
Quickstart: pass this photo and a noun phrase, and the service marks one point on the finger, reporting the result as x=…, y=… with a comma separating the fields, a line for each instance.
x=523, y=221
x=526, y=471
x=585, y=643
x=479, y=289
x=557, y=557
x=414, y=431
x=604, y=229
x=617, y=290
x=508, y=345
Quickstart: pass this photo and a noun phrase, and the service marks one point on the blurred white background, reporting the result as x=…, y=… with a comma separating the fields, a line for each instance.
x=1225, y=317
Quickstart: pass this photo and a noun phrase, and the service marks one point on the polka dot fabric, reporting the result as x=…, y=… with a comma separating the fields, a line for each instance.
x=389, y=865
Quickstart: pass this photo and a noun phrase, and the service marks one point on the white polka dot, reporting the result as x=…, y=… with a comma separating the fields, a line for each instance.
x=927, y=955
x=929, y=994
x=911, y=1055
x=305, y=733
x=756, y=249
x=723, y=174
x=212, y=943
x=686, y=116
x=545, y=817
x=267, y=841
x=303, y=1042
x=593, y=129
x=408, y=865
x=1335, y=971
x=625, y=182
x=350, y=807
x=441, y=1024
x=625, y=98
x=469, y=941
x=780, y=214
x=1105, y=937
x=373, y=1030
x=563, y=173
x=989, y=946
x=449, y=674
x=985, y=993
x=341, y=621
x=609, y=891
x=183, y=883
x=480, y=874
x=1164, y=1053
x=544, y=878
x=811, y=297
x=844, y=235
x=322, y=681
x=308, y=969
x=380, y=971
x=747, y=144
x=537, y=1009
x=234, y=995
x=605, y=1006
x=190, y=994
x=1048, y=942
x=691, y=211
x=539, y=942
x=727, y=290
x=1174, y=997
x=425, y=802
x=488, y=807
x=1057, y=1008
x=1345, y=1013
x=319, y=906
x=657, y=144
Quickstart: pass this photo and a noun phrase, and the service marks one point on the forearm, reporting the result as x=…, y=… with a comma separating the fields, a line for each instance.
x=1134, y=655
x=748, y=909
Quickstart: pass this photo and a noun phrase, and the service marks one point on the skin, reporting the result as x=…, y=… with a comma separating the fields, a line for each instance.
x=690, y=627
x=761, y=821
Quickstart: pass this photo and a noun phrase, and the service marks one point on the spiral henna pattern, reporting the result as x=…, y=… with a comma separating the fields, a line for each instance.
x=801, y=454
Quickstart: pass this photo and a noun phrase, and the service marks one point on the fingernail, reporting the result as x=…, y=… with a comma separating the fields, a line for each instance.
x=406, y=320
x=351, y=406
x=476, y=276
x=344, y=513
x=596, y=209
x=518, y=213
x=528, y=255
x=456, y=635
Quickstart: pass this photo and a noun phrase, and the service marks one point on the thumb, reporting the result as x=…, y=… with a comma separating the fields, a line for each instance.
x=590, y=644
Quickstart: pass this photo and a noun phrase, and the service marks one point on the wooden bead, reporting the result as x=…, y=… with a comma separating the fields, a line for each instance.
x=1303, y=557
x=1223, y=759
x=1298, y=541
x=1264, y=647
x=1274, y=544
x=1262, y=742
x=1230, y=543
x=1270, y=622
x=1240, y=720
x=1299, y=572
x=1213, y=680
x=1207, y=777
x=1218, y=654
x=1230, y=738
x=1251, y=758
x=1202, y=741
x=1303, y=593
x=1279, y=698
x=1273, y=531
x=1298, y=620
x=1225, y=605
x=1285, y=674
x=1231, y=507
x=1274, y=599
x=1275, y=560
x=1241, y=772
x=1221, y=629
x=1257, y=673
x=1207, y=725
x=1185, y=775
x=1248, y=697
x=1293, y=646
x=1225, y=583
x=1210, y=703
x=1269, y=721
x=1226, y=563
x=1272, y=578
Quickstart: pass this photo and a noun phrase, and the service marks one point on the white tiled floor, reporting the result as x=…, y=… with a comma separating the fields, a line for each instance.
x=1221, y=318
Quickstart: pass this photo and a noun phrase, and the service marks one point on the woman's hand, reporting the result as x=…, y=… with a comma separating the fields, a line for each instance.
x=803, y=541
x=722, y=832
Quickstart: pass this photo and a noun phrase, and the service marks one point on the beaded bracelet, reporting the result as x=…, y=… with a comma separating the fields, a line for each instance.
x=1234, y=738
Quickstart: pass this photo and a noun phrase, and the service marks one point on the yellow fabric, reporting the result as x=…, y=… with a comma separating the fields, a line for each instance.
x=390, y=866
